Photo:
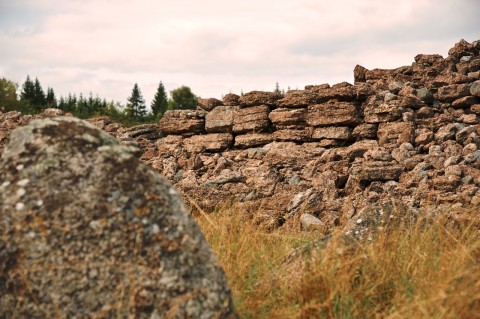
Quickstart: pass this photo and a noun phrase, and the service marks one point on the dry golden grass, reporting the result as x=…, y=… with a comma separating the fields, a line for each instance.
x=410, y=272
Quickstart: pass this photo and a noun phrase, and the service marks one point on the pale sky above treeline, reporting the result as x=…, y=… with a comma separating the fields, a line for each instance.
x=219, y=47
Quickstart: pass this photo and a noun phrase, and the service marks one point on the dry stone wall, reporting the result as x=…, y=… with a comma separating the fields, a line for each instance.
x=410, y=133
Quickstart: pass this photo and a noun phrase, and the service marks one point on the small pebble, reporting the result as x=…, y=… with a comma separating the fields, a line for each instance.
x=20, y=167
x=5, y=184
x=359, y=221
x=21, y=192
x=155, y=229
x=94, y=224
x=19, y=206
x=39, y=202
x=23, y=182
x=93, y=273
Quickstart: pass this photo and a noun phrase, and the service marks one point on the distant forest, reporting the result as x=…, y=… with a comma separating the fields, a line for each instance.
x=32, y=99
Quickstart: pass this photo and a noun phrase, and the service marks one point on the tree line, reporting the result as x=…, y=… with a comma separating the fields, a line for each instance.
x=32, y=99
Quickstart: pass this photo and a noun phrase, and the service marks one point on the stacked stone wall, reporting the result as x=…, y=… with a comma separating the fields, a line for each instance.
x=410, y=133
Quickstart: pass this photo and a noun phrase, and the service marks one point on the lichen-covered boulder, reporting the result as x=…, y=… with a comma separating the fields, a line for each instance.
x=88, y=231
x=387, y=214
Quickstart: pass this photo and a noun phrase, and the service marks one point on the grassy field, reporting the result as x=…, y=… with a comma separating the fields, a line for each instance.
x=412, y=271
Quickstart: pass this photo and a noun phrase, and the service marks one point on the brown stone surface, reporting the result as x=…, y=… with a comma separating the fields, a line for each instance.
x=333, y=113
x=377, y=111
x=358, y=149
x=363, y=90
x=209, y=104
x=231, y=99
x=341, y=92
x=447, y=132
x=253, y=140
x=251, y=119
x=170, y=145
x=333, y=132
x=298, y=99
x=365, y=131
x=462, y=48
x=475, y=108
x=393, y=134
x=187, y=122
x=376, y=171
x=359, y=73
x=424, y=138
x=331, y=143
x=256, y=98
x=378, y=74
x=452, y=92
x=208, y=143
x=284, y=118
x=147, y=131
x=475, y=89
x=220, y=119
x=292, y=135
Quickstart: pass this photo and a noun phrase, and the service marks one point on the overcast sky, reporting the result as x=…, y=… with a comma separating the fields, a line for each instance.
x=217, y=47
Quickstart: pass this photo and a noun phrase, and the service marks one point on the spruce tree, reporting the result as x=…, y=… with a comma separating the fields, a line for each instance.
x=277, y=89
x=39, y=99
x=136, y=106
x=160, y=101
x=51, y=100
x=28, y=91
x=62, y=105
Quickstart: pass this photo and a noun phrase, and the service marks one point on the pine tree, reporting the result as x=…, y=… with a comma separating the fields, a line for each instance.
x=160, y=101
x=136, y=106
x=51, y=100
x=39, y=99
x=81, y=109
x=28, y=91
x=277, y=89
x=62, y=105
x=71, y=103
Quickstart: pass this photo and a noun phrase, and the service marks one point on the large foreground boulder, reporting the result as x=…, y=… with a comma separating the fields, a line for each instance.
x=88, y=231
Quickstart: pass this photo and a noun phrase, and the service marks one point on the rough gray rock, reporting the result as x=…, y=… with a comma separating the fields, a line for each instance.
x=88, y=231
x=475, y=88
x=310, y=222
x=370, y=219
x=425, y=94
